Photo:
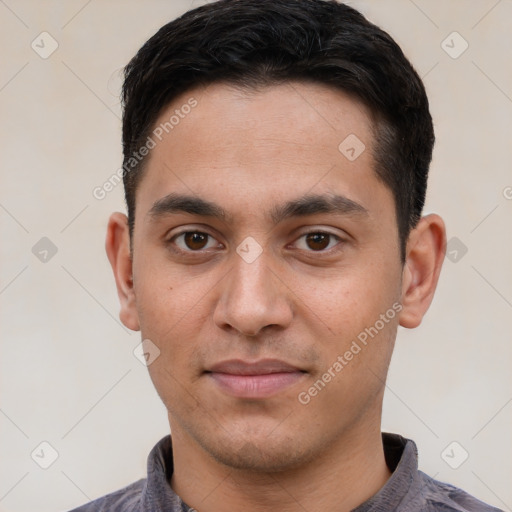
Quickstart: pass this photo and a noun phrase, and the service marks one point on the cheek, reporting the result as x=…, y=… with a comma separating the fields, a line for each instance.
x=168, y=315
x=354, y=316
x=355, y=370
x=171, y=319
x=167, y=298
x=348, y=299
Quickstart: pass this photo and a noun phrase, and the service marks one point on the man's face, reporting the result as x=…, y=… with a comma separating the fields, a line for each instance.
x=204, y=294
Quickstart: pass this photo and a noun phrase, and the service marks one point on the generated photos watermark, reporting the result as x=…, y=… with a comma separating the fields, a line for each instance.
x=304, y=397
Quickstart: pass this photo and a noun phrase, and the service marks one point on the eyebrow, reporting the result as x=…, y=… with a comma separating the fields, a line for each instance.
x=181, y=203
x=309, y=204
x=313, y=204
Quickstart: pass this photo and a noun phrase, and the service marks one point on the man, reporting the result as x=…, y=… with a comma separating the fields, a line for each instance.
x=276, y=156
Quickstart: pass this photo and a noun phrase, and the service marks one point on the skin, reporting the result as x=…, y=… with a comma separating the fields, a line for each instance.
x=299, y=301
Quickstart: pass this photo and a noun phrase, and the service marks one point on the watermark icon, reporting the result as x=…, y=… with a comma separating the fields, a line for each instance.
x=44, y=455
x=352, y=147
x=454, y=455
x=146, y=352
x=249, y=249
x=44, y=45
x=455, y=249
x=304, y=397
x=507, y=193
x=454, y=45
x=157, y=135
x=44, y=250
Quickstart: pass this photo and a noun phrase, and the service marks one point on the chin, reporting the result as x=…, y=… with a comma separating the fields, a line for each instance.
x=266, y=454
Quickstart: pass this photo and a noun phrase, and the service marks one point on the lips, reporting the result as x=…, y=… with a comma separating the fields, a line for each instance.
x=256, y=380
x=262, y=367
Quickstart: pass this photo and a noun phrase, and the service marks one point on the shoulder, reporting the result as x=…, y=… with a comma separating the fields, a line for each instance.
x=442, y=497
x=126, y=499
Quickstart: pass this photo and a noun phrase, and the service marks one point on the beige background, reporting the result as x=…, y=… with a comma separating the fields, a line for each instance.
x=68, y=373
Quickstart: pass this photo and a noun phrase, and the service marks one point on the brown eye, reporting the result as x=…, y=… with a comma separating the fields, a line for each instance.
x=194, y=241
x=318, y=241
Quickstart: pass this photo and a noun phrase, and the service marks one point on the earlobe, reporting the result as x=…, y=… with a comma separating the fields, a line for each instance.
x=424, y=258
x=117, y=246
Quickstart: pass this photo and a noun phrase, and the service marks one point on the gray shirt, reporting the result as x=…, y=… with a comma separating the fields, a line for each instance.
x=407, y=490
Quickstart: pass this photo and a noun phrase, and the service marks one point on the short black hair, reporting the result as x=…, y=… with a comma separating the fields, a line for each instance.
x=254, y=43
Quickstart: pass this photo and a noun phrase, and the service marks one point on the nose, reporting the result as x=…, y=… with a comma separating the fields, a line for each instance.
x=252, y=298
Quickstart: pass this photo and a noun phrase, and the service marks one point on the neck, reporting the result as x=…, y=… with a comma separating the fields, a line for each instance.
x=348, y=473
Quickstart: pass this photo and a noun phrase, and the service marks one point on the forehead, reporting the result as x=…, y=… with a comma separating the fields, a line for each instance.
x=300, y=114
x=252, y=146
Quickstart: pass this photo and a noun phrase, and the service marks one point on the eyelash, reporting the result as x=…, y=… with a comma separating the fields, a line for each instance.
x=336, y=247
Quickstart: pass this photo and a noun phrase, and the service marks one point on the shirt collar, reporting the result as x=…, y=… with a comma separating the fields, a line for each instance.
x=157, y=494
x=402, y=459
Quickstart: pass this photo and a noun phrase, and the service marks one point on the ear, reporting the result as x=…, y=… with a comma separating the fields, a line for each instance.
x=425, y=252
x=117, y=245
